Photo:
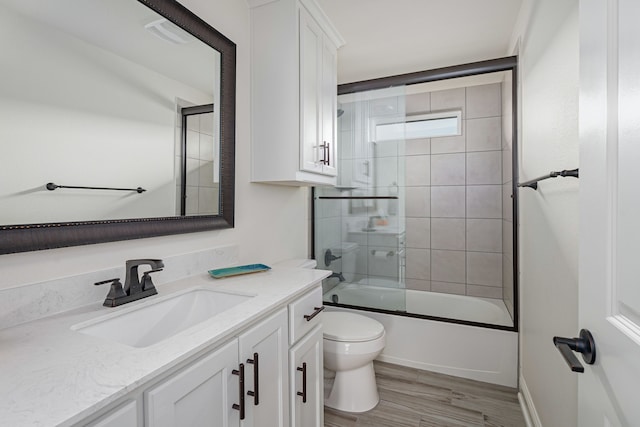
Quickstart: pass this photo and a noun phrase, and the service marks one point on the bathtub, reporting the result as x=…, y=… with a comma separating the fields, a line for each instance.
x=467, y=351
x=458, y=307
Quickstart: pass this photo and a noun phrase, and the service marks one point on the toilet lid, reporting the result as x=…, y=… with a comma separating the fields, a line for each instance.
x=339, y=326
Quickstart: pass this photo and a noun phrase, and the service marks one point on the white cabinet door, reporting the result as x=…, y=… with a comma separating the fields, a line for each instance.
x=124, y=416
x=306, y=381
x=311, y=152
x=329, y=102
x=263, y=350
x=203, y=394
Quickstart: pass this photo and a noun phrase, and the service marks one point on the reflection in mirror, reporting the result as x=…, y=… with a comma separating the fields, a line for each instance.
x=199, y=182
x=91, y=95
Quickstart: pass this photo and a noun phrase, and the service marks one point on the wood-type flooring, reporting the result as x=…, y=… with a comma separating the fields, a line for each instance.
x=415, y=398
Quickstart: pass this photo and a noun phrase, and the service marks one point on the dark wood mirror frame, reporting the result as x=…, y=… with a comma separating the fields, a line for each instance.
x=32, y=237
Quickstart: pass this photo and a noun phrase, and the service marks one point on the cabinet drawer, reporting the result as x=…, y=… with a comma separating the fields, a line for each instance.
x=307, y=305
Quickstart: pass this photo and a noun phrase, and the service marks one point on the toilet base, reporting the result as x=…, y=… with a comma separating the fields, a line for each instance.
x=354, y=390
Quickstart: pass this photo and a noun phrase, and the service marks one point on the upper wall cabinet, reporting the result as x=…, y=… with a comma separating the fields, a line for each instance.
x=293, y=93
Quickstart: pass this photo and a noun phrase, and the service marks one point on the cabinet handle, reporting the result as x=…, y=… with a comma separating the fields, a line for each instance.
x=328, y=156
x=303, y=393
x=256, y=384
x=317, y=311
x=325, y=157
x=240, y=373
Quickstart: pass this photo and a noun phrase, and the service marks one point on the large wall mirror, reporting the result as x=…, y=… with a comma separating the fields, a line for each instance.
x=117, y=121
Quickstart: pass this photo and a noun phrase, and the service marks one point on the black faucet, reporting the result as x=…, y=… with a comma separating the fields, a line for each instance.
x=338, y=275
x=134, y=287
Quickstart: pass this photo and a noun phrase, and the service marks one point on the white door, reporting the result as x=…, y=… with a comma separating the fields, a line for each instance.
x=610, y=210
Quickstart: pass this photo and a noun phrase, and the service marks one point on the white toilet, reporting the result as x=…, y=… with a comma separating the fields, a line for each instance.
x=351, y=342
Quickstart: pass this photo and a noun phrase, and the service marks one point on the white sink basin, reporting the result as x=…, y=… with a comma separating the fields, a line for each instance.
x=150, y=324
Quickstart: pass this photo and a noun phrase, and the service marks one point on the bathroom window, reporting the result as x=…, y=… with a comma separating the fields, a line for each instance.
x=430, y=125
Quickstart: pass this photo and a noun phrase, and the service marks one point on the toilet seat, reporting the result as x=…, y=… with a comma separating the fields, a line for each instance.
x=349, y=327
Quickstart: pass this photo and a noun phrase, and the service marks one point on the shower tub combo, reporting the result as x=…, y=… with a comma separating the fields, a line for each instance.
x=453, y=347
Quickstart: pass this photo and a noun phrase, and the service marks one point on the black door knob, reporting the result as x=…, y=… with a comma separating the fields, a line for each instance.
x=583, y=344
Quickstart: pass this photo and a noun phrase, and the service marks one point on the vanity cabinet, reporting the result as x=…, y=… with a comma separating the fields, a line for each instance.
x=305, y=361
x=242, y=383
x=293, y=93
x=268, y=375
x=306, y=378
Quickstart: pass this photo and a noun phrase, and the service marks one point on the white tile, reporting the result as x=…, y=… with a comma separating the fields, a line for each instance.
x=413, y=147
x=206, y=123
x=417, y=103
x=382, y=261
x=387, y=171
x=448, y=144
x=450, y=99
x=191, y=203
x=193, y=172
x=418, y=202
x=418, y=285
x=507, y=202
x=484, y=167
x=418, y=232
x=382, y=149
x=484, y=201
x=193, y=144
x=207, y=201
x=207, y=151
x=417, y=170
x=507, y=238
x=484, y=101
x=448, y=288
x=418, y=264
x=484, y=291
x=193, y=122
x=484, y=268
x=448, y=169
x=448, y=266
x=345, y=140
x=345, y=121
x=484, y=235
x=206, y=174
x=448, y=234
x=507, y=165
x=448, y=202
x=484, y=134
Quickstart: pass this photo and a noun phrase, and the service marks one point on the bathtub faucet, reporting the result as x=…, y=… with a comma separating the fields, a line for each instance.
x=338, y=275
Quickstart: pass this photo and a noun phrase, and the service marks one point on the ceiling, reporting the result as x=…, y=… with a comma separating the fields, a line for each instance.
x=389, y=37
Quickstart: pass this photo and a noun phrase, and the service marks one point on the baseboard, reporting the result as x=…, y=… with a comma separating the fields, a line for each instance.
x=528, y=408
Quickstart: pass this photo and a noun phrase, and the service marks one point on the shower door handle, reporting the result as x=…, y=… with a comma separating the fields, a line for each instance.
x=584, y=344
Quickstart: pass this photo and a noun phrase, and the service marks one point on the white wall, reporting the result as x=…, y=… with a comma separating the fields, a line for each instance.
x=548, y=217
x=77, y=114
x=271, y=222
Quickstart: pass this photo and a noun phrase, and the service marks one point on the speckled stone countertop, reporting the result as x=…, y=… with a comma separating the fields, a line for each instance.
x=55, y=376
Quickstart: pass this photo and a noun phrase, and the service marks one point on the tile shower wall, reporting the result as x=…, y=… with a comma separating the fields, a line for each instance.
x=454, y=197
x=202, y=182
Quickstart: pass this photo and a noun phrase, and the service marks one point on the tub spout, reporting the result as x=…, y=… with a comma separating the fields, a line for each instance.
x=338, y=275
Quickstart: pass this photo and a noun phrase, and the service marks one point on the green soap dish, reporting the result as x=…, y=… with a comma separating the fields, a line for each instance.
x=221, y=273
